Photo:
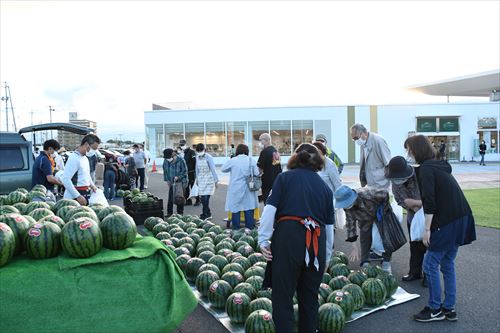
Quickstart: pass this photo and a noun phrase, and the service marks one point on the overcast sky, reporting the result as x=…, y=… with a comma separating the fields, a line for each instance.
x=110, y=61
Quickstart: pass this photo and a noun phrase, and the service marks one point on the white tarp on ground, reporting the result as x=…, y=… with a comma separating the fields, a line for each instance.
x=401, y=296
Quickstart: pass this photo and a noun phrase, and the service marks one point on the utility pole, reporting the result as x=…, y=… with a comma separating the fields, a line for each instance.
x=50, y=112
x=6, y=99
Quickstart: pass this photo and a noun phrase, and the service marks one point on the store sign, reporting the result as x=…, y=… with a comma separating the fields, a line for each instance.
x=484, y=123
x=448, y=124
x=426, y=124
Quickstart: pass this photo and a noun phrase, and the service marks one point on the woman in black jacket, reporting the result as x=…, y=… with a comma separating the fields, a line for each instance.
x=448, y=224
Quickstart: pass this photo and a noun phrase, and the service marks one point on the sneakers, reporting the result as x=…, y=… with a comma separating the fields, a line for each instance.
x=374, y=256
x=427, y=315
x=450, y=315
x=386, y=266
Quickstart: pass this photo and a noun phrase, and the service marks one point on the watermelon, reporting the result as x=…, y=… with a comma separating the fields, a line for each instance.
x=63, y=211
x=192, y=267
x=372, y=270
x=259, y=321
x=118, y=231
x=344, y=299
x=223, y=245
x=331, y=318
x=237, y=307
x=326, y=278
x=81, y=238
x=89, y=215
x=17, y=197
x=43, y=240
x=249, y=240
x=204, y=280
x=7, y=244
x=109, y=210
x=64, y=203
x=199, y=232
x=342, y=256
x=220, y=237
x=246, y=250
x=261, y=303
x=254, y=271
x=324, y=290
x=186, y=240
x=390, y=283
x=375, y=291
x=218, y=292
x=40, y=213
x=245, y=288
x=30, y=219
x=182, y=250
x=162, y=235
x=256, y=257
x=19, y=225
x=209, y=267
x=23, y=190
x=80, y=209
x=357, y=295
x=205, y=255
x=255, y=281
x=54, y=219
x=266, y=293
x=233, y=256
x=218, y=261
x=180, y=234
x=189, y=247
x=36, y=195
x=357, y=277
x=182, y=260
x=338, y=282
x=225, y=253
x=120, y=193
x=334, y=261
x=339, y=269
x=160, y=227
x=216, y=228
x=261, y=264
x=39, y=188
x=233, y=278
x=150, y=222
x=20, y=206
x=5, y=209
x=233, y=267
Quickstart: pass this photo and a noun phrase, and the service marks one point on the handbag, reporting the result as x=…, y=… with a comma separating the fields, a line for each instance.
x=178, y=193
x=254, y=182
x=391, y=232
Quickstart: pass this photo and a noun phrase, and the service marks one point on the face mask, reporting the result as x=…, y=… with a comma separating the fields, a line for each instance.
x=179, y=151
x=398, y=181
x=200, y=154
x=183, y=147
x=91, y=152
x=410, y=159
x=360, y=142
x=261, y=145
x=170, y=159
x=53, y=155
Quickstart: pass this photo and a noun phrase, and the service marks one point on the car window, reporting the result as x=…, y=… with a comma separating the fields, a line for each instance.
x=13, y=159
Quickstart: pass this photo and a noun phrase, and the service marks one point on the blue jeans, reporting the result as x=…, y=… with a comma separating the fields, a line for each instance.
x=444, y=261
x=249, y=220
x=206, y=209
x=109, y=184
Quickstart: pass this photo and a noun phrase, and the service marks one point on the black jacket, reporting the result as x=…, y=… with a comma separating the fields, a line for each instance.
x=190, y=158
x=441, y=194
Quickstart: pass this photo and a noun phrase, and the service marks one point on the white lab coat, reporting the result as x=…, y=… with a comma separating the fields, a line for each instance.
x=239, y=197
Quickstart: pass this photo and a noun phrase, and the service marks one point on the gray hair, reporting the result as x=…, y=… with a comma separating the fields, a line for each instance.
x=265, y=136
x=359, y=128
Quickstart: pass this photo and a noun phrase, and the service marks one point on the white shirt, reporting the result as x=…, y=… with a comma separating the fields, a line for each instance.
x=59, y=161
x=76, y=164
x=147, y=155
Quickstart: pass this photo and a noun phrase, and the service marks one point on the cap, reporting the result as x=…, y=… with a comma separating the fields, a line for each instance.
x=321, y=137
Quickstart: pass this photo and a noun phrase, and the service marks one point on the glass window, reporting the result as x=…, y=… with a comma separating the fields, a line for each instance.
x=491, y=140
x=235, y=135
x=173, y=134
x=155, y=139
x=12, y=159
x=302, y=131
x=195, y=133
x=256, y=128
x=281, y=136
x=215, y=139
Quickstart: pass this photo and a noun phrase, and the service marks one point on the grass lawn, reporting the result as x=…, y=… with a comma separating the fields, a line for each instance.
x=485, y=204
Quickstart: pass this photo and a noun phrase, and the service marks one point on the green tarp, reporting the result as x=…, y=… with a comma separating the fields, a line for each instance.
x=139, y=289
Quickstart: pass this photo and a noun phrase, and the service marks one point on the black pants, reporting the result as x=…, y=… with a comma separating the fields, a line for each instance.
x=170, y=204
x=140, y=176
x=290, y=274
x=205, y=201
x=365, y=238
x=417, y=253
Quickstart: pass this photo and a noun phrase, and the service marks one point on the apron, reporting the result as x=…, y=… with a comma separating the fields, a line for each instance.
x=206, y=184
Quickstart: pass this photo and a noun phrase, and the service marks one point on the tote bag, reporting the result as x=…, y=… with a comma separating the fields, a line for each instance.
x=254, y=182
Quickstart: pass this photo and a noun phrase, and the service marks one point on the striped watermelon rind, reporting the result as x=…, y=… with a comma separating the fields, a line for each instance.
x=357, y=294
x=218, y=292
x=19, y=225
x=237, y=307
x=357, y=277
x=261, y=303
x=338, y=282
x=7, y=244
x=233, y=278
x=43, y=240
x=204, y=280
x=390, y=283
x=81, y=238
x=344, y=299
x=192, y=267
x=245, y=288
x=375, y=291
x=118, y=231
x=331, y=318
x=259, y=321
x=339, y=269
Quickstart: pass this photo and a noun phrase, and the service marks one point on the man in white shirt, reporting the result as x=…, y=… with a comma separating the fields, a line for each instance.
x=76, y=177
x=147, y=155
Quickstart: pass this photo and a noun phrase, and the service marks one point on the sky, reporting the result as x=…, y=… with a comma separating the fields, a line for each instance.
x=110, y=60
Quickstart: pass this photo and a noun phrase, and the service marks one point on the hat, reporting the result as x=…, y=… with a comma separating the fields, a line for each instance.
x=167, y=153
x=345, y=197
x=182, y=142
x=321, y=137
x=398, y=168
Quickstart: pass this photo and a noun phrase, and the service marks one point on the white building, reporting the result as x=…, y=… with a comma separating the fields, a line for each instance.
x=460, y=125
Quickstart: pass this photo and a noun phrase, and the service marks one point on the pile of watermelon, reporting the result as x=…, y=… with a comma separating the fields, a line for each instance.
x=44, y=229
x=228, y=268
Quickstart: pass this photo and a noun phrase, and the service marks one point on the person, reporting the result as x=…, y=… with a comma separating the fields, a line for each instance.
x=175, y=174
x=189, y=156
x=360, y=208
x=269, y=164
x=232, y=151
x=482, y=152
x=407, y=195
x=442, y=150
x=58, y=161
x=140, y=164
x=330, y=153
x=375, y=155
x=449, y=224
x=130, y=169
x=300, y=207
x=76, y=178
x=206, y=179
x=110, y=174
x=44, y=166
x=239, y=198
x=329, y=173
x=93, y=157
x=36, y=153
x=147, y=156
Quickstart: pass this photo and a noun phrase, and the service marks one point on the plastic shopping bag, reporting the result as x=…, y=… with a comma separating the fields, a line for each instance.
x=417, y=226
x=339, y=218
x=98, y=197
x=193, y=193
x=377, y=245
x=398, y=210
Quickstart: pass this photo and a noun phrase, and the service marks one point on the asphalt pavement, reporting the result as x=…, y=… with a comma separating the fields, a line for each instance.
x=477, y=267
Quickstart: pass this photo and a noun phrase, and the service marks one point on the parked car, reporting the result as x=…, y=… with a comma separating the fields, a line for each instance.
x=16, y=164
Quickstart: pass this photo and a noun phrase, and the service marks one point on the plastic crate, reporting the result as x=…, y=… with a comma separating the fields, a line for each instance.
x=138, y=206
x=140, y=216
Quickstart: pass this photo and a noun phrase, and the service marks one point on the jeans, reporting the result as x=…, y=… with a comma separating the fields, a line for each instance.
x=206, y=209
x=249, y=220
x=444, y=261
x=140, y=176
x=482, y=159
x=109, y=184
